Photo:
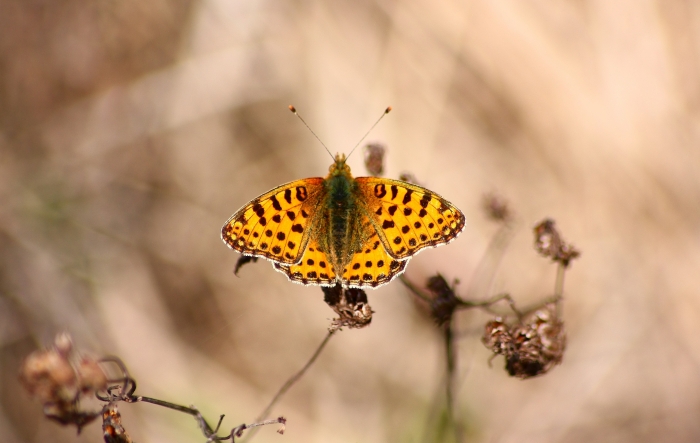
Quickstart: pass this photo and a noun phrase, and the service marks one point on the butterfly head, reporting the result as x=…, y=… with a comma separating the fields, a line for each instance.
x=339, y=167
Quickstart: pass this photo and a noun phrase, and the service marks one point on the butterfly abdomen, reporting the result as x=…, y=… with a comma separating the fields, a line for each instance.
x=338, y=204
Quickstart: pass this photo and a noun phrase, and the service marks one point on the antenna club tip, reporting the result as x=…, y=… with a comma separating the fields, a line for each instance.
x=293, y=109
x=388, y=109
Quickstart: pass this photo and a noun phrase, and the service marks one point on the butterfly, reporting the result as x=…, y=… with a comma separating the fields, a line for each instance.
x=358, y=232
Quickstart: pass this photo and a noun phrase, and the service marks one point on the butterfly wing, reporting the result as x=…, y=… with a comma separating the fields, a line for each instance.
x=372, y=266
x=277, y=224
x=408, y=218
x=314, y=268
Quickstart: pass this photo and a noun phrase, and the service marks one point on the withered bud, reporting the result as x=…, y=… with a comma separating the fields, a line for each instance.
x=408, y=178
x=445, y=301
x=531, y=347
x=496, y=208
x=497, y=336
x=112, y=428
x=374, y=159
x=49, y=376
x=63, y=343
x=351, y=306
x=548, y=243
x=243, y=260
x=283, y=421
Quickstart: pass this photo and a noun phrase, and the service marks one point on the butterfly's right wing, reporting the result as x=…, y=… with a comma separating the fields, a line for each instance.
x=277, y=224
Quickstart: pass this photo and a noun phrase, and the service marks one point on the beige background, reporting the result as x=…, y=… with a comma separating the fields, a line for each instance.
x=130, y=131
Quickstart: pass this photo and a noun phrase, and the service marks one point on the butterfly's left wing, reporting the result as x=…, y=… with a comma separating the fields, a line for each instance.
x=408, y=217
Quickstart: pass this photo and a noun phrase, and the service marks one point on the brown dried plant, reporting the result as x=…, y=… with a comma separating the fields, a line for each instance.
x=60, y=377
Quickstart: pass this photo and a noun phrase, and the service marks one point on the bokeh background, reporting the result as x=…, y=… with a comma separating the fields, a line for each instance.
x=130, y=131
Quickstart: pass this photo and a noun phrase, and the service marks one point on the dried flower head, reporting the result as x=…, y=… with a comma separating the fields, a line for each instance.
x=58, y=377
x=496, y=208
x=374, y=159
x=444, y=303
x=532, y=346
x=548, y=243
x=49, y=376
x=351, y=306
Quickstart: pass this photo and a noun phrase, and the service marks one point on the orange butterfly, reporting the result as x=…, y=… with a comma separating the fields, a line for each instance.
x=359, y=232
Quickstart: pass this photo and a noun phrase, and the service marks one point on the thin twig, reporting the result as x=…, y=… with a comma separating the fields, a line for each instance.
x=291, y=381
x=485, y=270
x=451, y=357
x=559, y=288
x=238, y=430
x=554, y=299
x=486, y=304
x=413, y=288
x=559, y=283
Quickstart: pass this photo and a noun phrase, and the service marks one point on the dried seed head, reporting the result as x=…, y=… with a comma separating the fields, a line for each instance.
x=497, y=336
x=445, y=301
x=548, y=243
x=374, y=159
x=532, y=346
x=49, y=376
x=58, y=377
x=351, y=306
x=496, y=208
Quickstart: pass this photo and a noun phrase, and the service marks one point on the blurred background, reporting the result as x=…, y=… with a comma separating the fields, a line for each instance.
x=130, y=131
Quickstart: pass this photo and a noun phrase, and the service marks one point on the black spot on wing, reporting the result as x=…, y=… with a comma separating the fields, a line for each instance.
x=379, y=190
x=302, y=194
x=275, y=203
x=425, y=200
x=407, y=196
x=394, y=191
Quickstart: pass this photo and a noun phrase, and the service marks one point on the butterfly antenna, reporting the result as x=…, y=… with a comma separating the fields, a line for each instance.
x=294, y=110
x=386, y=111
